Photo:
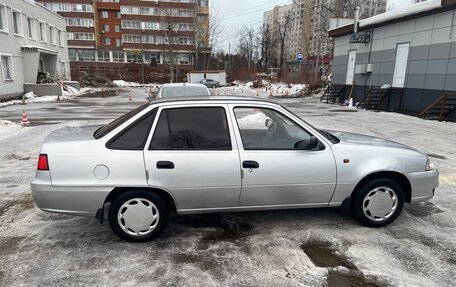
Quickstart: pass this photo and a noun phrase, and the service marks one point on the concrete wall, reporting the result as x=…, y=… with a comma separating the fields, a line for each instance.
x=431, y=64
x=25, y=64
x=44, y=89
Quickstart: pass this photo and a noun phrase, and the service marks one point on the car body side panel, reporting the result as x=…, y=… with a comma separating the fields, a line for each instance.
x=87, y=164
x=367, y=160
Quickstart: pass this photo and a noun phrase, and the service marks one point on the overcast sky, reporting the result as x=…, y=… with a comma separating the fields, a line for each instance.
x=236, y=13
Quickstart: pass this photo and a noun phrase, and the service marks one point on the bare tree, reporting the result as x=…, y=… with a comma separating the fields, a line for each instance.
x=248, y=43
x=215, y=30
x=282, y=33
x=268, y=47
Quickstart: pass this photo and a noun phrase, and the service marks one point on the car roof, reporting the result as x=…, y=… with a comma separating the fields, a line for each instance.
x=182, y=85
x=212, y=99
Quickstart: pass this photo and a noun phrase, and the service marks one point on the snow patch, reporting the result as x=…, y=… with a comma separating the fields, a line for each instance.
x=124, y=84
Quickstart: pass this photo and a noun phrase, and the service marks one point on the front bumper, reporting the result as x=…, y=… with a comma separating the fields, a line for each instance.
x=74, y=200
x=423, y=184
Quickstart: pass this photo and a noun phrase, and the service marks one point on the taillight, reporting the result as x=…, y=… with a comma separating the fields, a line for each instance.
x=43, y=162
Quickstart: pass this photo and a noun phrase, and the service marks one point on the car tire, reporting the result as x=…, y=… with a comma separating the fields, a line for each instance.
x=214, y=86
x=378, y=202
x=138, y=216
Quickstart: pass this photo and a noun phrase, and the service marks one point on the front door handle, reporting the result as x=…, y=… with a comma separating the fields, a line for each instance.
x=250, y=164
x=165, y=165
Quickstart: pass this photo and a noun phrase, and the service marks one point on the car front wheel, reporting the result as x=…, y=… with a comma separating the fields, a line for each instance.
x=378, y=203
x=138, y=216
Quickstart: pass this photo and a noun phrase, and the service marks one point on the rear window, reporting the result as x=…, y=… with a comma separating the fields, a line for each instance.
x=134, y=137
x=184, y=91
x=101, y=132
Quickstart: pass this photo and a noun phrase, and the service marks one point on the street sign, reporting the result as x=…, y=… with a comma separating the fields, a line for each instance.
x=299, y=56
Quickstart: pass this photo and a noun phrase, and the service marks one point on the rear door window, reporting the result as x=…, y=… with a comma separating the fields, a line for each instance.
x=203, y=128
x=134, y=136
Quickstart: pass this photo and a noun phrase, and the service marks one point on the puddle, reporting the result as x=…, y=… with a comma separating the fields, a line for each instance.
x=349, y=279
x=422, y=209
x=323, y=256
x=9, y=245
x=16, y=157
x=344, y=111
x=20, y=204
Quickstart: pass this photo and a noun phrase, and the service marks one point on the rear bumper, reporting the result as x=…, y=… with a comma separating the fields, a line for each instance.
x=81, y=201
x=423, y=184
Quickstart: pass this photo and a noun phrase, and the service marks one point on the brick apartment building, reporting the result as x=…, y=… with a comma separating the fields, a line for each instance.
x=134, y=40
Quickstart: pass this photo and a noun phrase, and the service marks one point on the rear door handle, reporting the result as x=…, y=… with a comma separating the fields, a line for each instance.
x=165, y=165
x=250, y=164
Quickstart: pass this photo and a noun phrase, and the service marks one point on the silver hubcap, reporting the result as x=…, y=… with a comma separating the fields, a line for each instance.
x=138, y=216
x=380, y=203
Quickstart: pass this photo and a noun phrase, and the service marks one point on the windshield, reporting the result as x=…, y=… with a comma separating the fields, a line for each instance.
x=324, y=133
x=101, y=132
x=184, y=91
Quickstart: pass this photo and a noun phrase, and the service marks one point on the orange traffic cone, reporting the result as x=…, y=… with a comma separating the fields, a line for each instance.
x=270, y=93
x=58, y=98
x=129, y=97
x=286, y=92
x=258, y=93
x=242, y=90
x=24, y=121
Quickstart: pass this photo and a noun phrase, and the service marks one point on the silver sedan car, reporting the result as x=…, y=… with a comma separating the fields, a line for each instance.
x=222, y=154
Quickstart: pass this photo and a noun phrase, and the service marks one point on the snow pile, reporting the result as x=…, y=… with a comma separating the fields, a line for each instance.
x=277, y=89
x=253, y=121
x=124, y=84
x=5, y=123
x=32, y=98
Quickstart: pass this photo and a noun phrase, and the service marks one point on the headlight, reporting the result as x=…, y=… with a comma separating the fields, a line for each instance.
x=429, y=165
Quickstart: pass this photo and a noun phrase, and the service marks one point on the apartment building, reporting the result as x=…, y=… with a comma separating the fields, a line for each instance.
x=308, y=22
x=32, y=42
x=135, y=40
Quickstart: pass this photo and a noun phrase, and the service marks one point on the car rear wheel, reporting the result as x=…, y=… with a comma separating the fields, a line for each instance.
x=214, y=86
x=138, y=216
x=378, y=203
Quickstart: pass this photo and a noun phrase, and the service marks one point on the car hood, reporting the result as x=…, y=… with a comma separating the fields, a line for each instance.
x=72, y=134
x=358, y=139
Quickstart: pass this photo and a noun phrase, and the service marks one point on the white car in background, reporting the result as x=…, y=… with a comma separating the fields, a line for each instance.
x=182, y=90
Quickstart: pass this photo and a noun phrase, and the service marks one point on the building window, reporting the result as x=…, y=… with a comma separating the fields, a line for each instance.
x=131, y=24
x=7, y=68
x=52, y=35
x=86, y=55
x=118, y=56
x=118, y=15
x=81, y=22
x=134, y=58
x=106, y=41
x=118, y=42
x=68, y=7
x=117, y=28
x=60, y=38
x=203, y=3
x=103, y=56
x=17, y=23
x=73, y=54
x=42, y=32
x=104, y=14
x=3, y=21
x=31, y=28
x=105, y=28
x=201, y=18
x=80, y=36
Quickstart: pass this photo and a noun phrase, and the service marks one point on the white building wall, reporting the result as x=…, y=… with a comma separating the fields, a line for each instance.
x=11, y=44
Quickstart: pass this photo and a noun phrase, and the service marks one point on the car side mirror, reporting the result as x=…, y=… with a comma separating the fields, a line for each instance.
x=268, y=123
x=311, y=144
